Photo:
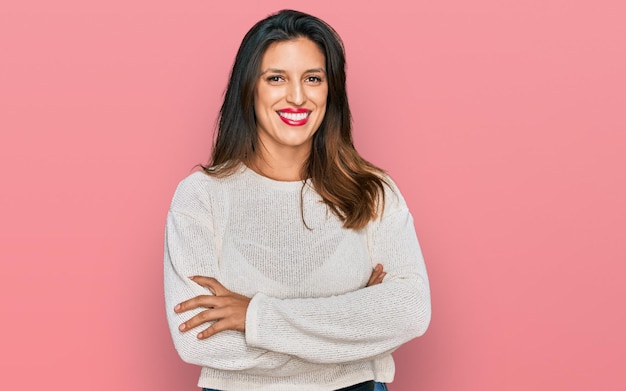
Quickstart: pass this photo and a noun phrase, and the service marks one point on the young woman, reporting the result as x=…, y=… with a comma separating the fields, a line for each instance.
x=291, y=263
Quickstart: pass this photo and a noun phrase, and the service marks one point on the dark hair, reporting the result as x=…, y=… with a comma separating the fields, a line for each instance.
x=350, y=186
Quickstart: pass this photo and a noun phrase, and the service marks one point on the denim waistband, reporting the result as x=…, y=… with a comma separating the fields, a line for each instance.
x=365, y=386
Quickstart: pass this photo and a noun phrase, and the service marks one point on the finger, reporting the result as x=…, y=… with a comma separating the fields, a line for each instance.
x=203, y=301
x=377, y=280
x=203, y=317
x=226, y=323
x=375, y=274
x=377, y=270
x=219, y=326
x=212, y=284
x=202, y=281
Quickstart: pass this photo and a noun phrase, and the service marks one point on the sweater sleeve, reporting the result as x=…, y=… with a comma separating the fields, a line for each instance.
x=361, y=324
x=189, y=251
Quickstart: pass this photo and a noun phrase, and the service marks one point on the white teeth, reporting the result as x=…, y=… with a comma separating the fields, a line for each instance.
x=293, y=116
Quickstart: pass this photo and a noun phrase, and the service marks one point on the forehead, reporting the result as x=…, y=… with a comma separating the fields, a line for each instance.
x=293, y=54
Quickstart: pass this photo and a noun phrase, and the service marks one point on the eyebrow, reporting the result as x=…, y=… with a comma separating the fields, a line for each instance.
x=275, y=70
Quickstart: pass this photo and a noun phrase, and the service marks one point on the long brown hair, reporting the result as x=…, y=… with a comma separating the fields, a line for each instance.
x=351, y=187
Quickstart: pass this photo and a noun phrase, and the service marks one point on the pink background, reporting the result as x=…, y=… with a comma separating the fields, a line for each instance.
x=502, y=121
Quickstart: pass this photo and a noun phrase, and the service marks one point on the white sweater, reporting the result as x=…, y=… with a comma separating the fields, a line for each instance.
x=312, y=323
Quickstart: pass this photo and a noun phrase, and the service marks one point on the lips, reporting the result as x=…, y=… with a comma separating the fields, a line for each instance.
x=294, y=116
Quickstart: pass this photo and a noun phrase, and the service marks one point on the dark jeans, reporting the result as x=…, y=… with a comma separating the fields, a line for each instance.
x=367, y=386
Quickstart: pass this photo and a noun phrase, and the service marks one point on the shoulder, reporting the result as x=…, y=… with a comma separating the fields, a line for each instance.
x=393, y=199
x=194, y=186
x=197, y=192
x=200, y=188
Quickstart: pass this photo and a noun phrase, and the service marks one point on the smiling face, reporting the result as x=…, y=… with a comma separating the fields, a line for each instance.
x=290, y=97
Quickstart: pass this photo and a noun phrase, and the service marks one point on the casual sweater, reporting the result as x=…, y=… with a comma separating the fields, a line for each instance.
x=312, y=324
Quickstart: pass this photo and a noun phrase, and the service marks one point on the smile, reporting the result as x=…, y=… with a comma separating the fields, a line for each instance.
x=294, y=117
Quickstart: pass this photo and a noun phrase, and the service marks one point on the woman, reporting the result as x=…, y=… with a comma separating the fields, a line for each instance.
x=275, y=251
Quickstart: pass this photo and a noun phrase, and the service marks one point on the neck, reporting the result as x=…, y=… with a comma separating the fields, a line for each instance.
x=281, y=167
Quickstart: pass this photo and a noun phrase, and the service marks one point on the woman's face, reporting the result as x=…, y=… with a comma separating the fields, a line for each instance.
x=290, y=96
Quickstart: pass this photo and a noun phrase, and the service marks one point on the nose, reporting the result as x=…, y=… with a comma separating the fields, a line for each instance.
x=296, y=94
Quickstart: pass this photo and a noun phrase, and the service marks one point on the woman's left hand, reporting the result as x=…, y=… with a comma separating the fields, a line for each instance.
x=227, y=309
x=377, y=275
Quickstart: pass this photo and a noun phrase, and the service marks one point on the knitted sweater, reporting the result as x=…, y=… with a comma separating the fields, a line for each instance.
x=312, y=323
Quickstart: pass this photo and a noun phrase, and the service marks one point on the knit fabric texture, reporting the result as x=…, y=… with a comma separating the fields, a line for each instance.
x=312, y=323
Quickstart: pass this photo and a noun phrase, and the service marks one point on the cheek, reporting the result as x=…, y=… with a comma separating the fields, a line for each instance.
x=321, y=103
x=267, y=97
x=322, y=97
x=261, y=98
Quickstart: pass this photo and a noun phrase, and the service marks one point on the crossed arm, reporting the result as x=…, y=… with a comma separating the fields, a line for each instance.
x=218, y=328
x=228, y=309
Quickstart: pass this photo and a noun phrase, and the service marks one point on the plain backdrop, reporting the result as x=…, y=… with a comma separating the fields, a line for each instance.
x=503, y=122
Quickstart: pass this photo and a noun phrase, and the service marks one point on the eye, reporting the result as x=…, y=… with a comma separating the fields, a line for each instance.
x=273, y=79
x=313, y=79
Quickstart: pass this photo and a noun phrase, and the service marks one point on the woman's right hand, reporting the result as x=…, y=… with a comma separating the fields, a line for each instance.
x=377, y=275
x=225, y=308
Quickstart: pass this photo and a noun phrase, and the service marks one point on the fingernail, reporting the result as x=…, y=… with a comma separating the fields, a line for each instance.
x=177, y=307
x=199, y=336
x=182, y=327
